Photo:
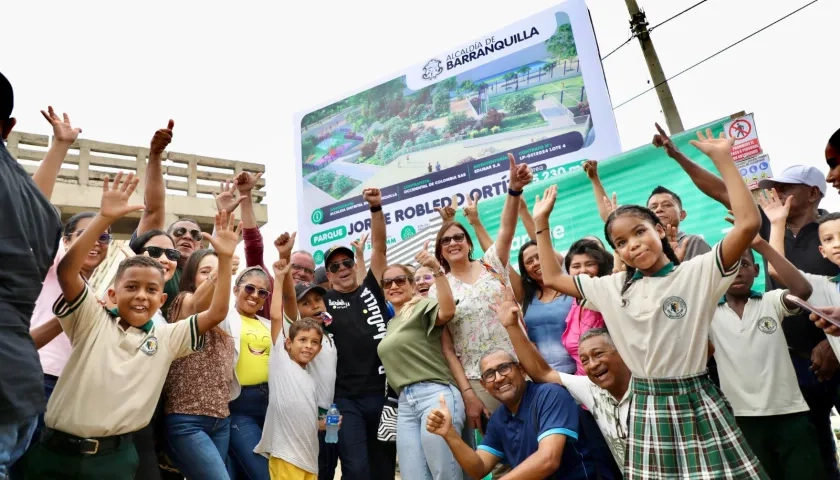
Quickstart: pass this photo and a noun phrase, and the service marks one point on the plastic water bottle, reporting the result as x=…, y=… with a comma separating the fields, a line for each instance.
x=333, y=416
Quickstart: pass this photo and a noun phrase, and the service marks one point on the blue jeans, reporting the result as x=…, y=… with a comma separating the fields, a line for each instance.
x=362, y=455
x=247, y=416
x=820, y=397
x=198, y=445
x=14, y=440
x=433, y=459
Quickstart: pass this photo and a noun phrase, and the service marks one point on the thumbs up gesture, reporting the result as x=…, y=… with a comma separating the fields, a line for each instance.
x=427, y=259
x=520, y=174
x=439, y=421
x=162, y=138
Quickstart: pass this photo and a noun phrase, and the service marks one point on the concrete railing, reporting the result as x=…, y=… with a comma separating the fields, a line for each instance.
x=190, y=180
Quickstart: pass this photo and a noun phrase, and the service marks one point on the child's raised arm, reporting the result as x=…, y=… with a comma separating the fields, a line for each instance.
x=286, y=291
x=520, y=176
x=777, y=212
x=604, y=207
x=224, y=244
x=114, y=205
x=747, y=218
x=282, y=275
x=552, y=273
x=796, y=283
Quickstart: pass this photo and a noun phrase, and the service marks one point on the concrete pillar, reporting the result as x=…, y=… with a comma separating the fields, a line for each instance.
x=84, y=163
x=169, y=220
x=192, y=179
x=140, y=168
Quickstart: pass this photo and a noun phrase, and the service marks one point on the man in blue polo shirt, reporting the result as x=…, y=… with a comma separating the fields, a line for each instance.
x=536, y=432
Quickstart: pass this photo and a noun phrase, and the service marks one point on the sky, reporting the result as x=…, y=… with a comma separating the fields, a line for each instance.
x=232, y=77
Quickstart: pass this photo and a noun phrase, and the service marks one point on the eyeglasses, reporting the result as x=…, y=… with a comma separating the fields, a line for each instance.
x=336, y=266
x=427, y=277
x=251, y=289
x=457, y=238
x=399, y=280
x=504, y=369
x=156, y=252
x=181, y=231
x=104, y=239
x=297, y=267
x=620, y=430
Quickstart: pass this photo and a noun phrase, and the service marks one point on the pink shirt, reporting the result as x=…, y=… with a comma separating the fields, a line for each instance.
x=578, y=322
x=53, y=355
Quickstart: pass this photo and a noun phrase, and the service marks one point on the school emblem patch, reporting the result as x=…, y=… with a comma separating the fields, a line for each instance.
x=150, y=346
x=768, y=324
x=674, y=307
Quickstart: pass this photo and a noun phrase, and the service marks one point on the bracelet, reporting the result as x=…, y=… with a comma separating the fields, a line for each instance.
x=514, y=193
x=467, y=390
x=541, y=231
x=375, y=208
x=439, y=273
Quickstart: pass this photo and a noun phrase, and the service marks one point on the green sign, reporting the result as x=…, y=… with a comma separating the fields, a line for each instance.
x=328, y=236
x=407, y=232
x=632, y=175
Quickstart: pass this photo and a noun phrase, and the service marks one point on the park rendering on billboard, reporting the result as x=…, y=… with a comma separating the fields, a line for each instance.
x=445, y=127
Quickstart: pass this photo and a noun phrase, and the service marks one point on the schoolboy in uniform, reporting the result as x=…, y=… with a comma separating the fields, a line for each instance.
x=118, y=365
x=756, y=372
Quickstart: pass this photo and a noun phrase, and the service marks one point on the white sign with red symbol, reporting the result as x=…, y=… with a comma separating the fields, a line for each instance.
x=754, y=170
x=746, y=137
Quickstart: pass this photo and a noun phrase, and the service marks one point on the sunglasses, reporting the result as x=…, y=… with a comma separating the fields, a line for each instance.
x=503, y=370
x=336, y=266
x=104, y=239
x=251, y=289
x=427, y=277
x=400, y=281
x=297, y=267
x=156, y=252
x=181, y=231
x=832, y=162
x=457, y=238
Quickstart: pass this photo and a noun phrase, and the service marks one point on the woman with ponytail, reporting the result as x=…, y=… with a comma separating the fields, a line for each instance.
x=659, y=313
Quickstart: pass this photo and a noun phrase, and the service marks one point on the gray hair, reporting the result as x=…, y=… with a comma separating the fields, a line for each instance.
x=510, y=355
x=304, y=252
x=596, y=332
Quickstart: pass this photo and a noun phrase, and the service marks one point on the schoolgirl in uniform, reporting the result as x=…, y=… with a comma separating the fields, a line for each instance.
x=659, y=314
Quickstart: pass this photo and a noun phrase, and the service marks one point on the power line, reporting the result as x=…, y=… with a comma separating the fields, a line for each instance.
x=677, y=15
x=717, y=53
x=617, y=48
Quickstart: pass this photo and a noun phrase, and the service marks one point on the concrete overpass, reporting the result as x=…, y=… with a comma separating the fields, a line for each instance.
x=190, y=179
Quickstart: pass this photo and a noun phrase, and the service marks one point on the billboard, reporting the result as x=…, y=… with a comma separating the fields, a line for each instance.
x=445, y=126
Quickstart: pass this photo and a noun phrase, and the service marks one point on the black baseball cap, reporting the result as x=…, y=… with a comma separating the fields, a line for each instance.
x=321, y=275
x=337, y=249
x=302, y=288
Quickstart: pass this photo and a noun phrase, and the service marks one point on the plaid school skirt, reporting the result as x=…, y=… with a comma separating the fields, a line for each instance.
x=684, y=428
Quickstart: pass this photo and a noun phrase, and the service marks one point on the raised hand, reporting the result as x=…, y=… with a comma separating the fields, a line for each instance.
x=246, y=182
x=373, y=196
x=115, y=196
x=471, y=209
x=162, y=138
x=226, y=198
x=359, y=244
x=543, y=206
x=508, y=310
x=427, y=259
x=591, y=169
x=63, y=130
x=284, y=244
x=520, y=174
x=234, y=265
x=776, y=209
x=439, y=420
x=227, y=234
x=281, y=268
x=714, y=148
x=671, y=235
x=447, y=213
x=662, y=140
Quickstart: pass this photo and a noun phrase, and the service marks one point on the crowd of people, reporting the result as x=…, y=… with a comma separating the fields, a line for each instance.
x=649, y=357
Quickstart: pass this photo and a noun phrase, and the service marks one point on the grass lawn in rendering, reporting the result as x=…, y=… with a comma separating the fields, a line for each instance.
x=571, y=96
x=336, y=185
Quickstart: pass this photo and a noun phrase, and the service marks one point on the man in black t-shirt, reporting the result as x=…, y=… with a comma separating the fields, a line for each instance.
x=360, y=318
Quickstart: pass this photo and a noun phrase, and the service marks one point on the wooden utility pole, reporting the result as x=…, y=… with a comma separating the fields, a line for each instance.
x=639, y=27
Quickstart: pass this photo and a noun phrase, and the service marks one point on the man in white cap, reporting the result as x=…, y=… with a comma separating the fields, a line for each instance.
x=801, y=188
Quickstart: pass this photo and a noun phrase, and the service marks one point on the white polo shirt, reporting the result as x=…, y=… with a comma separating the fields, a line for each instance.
x=114, y=376
x=756, y=373
x=662, y=330
x=610, y=414
x=826, y=294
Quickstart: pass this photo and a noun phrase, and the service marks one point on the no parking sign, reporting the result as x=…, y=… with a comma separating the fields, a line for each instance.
x=746, y=137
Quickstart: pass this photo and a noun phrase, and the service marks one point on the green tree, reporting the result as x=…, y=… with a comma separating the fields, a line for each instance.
x=512, y=76
x=342, y=185
x=307, y=146
x=399, y=134
x=525, y=70
x=519, y=103
x=457, y=121
x=562, y=43
x=549, y=67
x=449, y=84
x=441, y=102
x=467, y=86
